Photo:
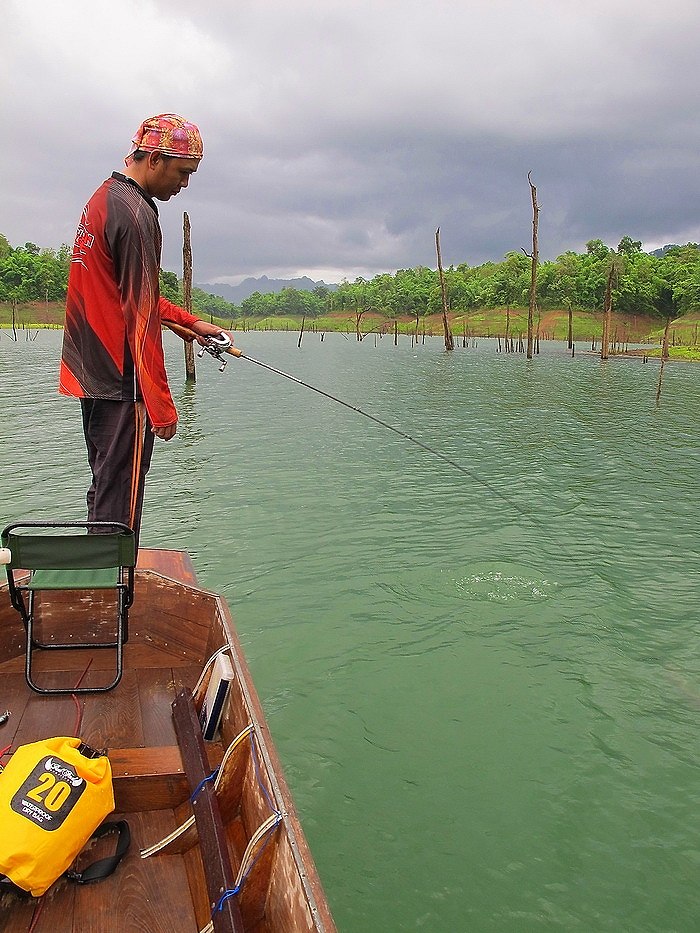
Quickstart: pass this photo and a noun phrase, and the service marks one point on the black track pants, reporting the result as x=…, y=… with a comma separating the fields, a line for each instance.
x=119, y=443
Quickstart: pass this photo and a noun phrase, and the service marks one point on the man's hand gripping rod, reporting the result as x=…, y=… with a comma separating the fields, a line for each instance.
x=215, y=344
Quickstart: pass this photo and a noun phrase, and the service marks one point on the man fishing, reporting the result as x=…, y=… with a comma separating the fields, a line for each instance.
x=112, y=357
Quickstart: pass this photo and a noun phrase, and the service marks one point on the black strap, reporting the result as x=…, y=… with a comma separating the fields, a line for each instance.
x=104, y=867
x=7, y=885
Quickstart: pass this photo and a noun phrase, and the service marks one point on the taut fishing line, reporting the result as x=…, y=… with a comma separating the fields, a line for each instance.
x=217, y=345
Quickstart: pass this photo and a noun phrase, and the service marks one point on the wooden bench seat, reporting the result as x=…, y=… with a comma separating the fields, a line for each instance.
x=153, y=778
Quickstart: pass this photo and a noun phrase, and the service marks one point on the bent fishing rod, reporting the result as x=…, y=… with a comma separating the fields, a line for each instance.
x=218, y=345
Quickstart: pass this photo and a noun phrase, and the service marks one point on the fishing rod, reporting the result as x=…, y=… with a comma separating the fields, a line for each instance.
x=220, y=344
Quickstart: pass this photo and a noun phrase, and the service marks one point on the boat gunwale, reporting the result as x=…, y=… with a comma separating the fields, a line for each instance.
x=273, y=767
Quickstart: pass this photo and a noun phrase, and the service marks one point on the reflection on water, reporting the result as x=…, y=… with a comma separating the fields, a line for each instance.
x=484, y=688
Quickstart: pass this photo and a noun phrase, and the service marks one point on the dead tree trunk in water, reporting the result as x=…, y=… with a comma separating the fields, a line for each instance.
x=190, y=374
x=449, y=341
x=534, y=259
x=613, y=272
x=607, y=312
x=664, y=357
x=359, y=313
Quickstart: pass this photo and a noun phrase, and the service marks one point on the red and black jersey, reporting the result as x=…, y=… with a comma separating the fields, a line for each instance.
x=112, y=341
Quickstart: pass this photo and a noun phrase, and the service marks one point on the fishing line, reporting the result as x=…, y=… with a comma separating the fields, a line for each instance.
x=384, y=424
x=389, y=427
x=218, y=345
x=530, y=516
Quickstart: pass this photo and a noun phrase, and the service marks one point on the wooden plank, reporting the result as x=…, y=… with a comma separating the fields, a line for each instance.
x=286, y=917
x=52, y=913
x=141, y=653
x=210, y=828
x=45, y=717
x=16, y=914
x=12, y=633
x=156, y=689
x=113, y=719
x=70, y=661
x=148, y=778
x=253, y=899
x=148, y=895
x=175, y=564
x=80, y=616
x=185, y=676
x=172, y=616
x=170, y=597
x=159, y=646
x=13, y=699
x=231, y=781
x=255, y=808
x=138, y=654
x=153, y=778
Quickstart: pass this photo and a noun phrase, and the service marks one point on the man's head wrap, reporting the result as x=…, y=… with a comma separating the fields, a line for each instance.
x=170, y=134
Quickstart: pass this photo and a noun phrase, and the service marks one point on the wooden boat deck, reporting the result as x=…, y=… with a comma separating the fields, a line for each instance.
x=134, y=724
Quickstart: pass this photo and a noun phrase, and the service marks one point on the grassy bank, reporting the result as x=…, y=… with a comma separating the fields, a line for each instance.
x=684, y=333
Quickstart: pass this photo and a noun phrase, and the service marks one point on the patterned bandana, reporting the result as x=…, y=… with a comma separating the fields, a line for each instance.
x=169, y=134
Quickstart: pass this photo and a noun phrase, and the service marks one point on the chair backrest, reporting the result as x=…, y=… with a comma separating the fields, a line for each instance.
x=111, y=544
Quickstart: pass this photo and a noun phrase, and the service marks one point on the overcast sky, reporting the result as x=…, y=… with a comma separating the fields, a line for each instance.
x=339, y=134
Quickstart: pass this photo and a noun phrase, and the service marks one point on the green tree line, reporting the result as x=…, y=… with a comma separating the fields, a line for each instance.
x=645, y=284
x=662, y=286
x=28, y=273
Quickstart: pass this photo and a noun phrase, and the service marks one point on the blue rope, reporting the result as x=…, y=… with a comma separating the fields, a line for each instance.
x=224, y=897
x=233, y=891
x=256, y=765
x=201, y=784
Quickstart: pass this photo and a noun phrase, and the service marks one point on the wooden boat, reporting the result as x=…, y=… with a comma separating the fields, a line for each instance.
x=177, y=863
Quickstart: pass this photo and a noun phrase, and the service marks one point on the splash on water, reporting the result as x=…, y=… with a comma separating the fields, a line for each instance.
x=504, y=586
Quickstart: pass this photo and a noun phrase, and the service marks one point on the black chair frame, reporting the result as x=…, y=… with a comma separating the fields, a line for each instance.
x=60, y=556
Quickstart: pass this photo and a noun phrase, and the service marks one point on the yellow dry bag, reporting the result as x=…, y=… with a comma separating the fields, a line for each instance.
x=53, y=795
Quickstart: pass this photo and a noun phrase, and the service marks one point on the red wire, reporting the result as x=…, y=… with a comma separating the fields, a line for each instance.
x=37, y=913
x=79, y=708
x=84, y=673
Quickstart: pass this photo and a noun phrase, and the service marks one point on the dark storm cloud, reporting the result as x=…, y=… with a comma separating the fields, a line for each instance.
x=339, y=135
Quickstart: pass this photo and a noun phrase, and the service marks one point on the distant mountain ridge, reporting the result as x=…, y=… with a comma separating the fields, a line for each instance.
x=238, y=293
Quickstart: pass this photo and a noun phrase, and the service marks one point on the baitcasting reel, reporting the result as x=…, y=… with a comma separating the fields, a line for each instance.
x=216, y=346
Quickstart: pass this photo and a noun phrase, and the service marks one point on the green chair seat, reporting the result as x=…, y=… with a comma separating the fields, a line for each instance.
x=105, y=578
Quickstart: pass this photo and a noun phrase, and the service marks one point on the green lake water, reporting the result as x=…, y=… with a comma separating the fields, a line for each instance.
x=484, y=687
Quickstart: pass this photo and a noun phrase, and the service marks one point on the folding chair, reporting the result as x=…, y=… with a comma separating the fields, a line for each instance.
x=60, y=556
